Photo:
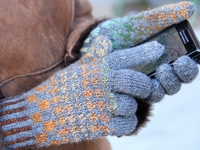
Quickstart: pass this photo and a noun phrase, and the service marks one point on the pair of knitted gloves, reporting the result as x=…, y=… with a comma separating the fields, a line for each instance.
x=96, y=96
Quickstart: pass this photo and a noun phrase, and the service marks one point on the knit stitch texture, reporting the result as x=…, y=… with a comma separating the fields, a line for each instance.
x=96, y=96
x=81, y=102
x=130, y=31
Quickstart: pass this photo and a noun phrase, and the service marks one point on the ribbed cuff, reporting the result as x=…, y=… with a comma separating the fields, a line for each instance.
x=16, y=124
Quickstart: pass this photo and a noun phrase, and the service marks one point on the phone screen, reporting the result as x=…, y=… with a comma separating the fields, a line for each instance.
x=174, y=48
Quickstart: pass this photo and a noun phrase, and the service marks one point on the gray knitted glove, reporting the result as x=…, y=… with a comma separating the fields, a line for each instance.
x=83, y=101
x=130, y=31
x=168, y=78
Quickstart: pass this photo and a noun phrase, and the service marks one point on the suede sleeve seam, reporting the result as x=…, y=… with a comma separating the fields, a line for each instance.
x=32, y=73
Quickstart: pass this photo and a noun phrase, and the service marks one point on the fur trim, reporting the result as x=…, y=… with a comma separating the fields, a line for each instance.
x=143, y=112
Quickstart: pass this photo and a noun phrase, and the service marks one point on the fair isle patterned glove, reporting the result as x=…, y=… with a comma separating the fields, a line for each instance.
x=130, y=31
x=81, y=102
x=167, y=78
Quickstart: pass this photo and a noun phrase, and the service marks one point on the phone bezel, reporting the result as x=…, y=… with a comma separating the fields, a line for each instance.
x=193, y=44
x=192, y=47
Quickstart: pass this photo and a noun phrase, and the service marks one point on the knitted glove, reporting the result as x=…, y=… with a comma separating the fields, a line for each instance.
x=82, y=101
x=130, y=31
x=167, y=79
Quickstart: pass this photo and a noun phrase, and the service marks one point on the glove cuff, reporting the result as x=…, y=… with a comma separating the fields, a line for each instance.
x=16, y=124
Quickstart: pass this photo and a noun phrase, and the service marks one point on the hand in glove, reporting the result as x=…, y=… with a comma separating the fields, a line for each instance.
x=130, y=31
x=80, y=102
x=83, y=101
x=89, y=99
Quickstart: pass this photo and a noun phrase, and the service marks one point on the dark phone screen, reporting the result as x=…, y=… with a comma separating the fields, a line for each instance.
x=174, y=48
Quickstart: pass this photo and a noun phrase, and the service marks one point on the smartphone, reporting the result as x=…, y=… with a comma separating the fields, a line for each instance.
x=178, y=40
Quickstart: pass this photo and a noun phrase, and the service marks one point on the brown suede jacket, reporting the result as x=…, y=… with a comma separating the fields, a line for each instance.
x=38, y=38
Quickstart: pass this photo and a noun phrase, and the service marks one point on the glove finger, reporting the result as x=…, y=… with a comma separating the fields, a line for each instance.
x=135, y=57
x=130, y=31
x=186, y=69
x=123, y=125
x=157, y=94
x=168, y=79
x=124, y=105
x=130, y=82
x=153, y=21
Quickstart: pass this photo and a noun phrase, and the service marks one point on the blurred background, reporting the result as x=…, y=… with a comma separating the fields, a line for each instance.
x=175, y=123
